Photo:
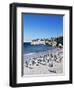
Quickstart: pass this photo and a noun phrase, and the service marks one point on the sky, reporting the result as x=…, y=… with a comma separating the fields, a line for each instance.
x=37, y=26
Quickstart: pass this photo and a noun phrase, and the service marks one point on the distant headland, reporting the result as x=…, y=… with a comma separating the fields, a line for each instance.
x=53, y=41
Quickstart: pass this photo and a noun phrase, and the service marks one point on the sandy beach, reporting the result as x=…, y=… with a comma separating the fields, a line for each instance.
x=46, y=62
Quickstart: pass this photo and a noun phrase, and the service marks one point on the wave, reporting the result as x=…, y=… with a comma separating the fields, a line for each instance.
x=29, y=54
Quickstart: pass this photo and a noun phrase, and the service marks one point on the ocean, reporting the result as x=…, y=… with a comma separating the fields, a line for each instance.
x=28, y=48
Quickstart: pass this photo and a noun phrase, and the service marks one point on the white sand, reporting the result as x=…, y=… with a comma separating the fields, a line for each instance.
x=44, y=62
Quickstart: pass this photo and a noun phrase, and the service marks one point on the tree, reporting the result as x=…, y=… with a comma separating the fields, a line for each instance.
x=59, y=40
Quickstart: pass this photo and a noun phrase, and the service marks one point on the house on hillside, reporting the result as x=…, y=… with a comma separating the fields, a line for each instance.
x=38, y=41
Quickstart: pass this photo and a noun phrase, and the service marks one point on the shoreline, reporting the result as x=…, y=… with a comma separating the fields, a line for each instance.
x=46, y=62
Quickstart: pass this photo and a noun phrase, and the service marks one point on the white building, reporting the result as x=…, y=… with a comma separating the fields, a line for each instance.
x=44, y=42
x=37, y=42
x=54, y=43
